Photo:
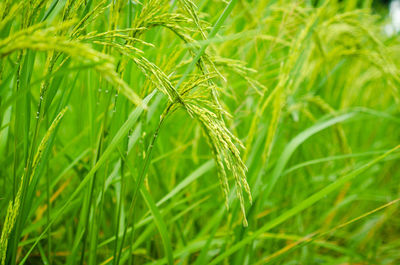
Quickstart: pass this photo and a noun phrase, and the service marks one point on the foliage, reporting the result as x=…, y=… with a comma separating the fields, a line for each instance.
x=130, y=129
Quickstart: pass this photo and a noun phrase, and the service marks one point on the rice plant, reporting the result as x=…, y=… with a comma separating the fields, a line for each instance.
x=198, y=132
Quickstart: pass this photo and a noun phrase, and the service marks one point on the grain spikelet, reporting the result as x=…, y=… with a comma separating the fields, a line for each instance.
x=13, y=207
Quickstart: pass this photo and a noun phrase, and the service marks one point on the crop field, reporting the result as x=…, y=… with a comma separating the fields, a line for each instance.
x=199, y=132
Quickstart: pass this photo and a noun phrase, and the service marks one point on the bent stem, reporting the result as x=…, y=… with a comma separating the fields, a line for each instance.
x=139, y=183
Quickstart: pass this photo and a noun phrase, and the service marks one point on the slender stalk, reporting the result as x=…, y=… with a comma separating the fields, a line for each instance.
x=139, y=184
